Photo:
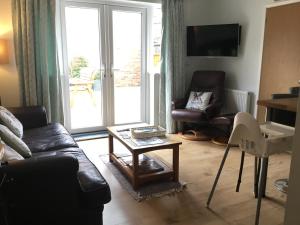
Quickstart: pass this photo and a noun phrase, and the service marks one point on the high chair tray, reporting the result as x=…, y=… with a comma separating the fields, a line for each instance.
x=272, y=129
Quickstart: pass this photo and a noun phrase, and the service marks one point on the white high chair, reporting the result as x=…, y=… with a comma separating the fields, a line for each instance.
x=260, y=141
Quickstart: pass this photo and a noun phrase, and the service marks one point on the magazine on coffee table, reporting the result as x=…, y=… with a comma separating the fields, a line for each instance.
x=148, y=141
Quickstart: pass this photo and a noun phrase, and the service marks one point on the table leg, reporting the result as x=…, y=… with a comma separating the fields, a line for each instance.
x=268, y=118
x=176, y=163
x=110, y=146
x=135, y=167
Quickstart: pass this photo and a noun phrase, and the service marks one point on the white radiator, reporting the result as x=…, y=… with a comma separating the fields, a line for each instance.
x=236, y=101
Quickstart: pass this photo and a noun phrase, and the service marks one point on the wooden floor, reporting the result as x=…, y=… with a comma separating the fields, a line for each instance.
x=199, y=162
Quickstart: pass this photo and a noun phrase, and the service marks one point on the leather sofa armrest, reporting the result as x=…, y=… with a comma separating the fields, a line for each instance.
x=44, y=183
x=31, y=116
x=56, y=164
x=213, y=109
x=178, y=104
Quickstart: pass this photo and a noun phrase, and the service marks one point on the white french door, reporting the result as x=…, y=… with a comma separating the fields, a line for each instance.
x=127, y=37
x=105, y=57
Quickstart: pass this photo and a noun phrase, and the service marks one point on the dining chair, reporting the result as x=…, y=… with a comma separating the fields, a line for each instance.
x=260, y=141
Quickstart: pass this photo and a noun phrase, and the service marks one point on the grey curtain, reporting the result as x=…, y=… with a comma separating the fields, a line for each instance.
x=172, y=84
x=36, y=55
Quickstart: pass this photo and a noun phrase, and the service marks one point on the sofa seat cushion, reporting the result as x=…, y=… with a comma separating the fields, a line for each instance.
x=48, y=138
x=94, y=189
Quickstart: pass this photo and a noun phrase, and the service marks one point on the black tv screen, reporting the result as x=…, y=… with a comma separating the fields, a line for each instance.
x=213, y=40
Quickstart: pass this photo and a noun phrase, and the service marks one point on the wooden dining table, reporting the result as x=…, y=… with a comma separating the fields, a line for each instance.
x=288, y=104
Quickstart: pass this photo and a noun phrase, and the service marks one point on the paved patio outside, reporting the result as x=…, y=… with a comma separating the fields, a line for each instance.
x=86, y=107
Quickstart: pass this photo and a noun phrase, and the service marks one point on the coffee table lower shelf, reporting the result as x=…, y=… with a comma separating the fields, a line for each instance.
x=139, y=179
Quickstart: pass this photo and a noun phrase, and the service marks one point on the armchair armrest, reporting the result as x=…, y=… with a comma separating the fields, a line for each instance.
x=178, y=104
x=213, y=109
x=44, y=183
x=31, y=116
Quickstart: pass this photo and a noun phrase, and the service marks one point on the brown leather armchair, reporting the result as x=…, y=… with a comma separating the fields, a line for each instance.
x=208, y=81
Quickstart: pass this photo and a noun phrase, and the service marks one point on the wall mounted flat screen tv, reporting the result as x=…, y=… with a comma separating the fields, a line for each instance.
x=213, y=40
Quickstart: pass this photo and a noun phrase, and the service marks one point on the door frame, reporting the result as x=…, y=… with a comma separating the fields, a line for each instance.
x=106, y=56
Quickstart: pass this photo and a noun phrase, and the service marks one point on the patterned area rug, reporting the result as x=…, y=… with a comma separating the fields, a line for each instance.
x=148, y=191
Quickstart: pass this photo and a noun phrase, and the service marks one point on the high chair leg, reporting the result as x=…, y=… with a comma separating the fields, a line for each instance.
x=262, y=184
x=265, y=183
x=256, y=175
x=240, y=172
x=218, y=175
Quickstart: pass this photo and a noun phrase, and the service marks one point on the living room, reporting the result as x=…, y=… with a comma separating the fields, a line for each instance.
x=198, y=160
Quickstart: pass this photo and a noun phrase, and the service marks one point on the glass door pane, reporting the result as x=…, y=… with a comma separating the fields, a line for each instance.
x=84, y=60
x=127, y=65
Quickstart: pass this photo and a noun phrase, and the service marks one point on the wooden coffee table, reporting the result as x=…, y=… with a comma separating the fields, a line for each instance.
x=131, y=172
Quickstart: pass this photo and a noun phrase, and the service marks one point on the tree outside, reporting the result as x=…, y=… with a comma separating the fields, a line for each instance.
x=76, y=65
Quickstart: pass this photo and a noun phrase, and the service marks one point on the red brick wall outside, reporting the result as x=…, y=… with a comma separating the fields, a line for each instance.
x=130, y=74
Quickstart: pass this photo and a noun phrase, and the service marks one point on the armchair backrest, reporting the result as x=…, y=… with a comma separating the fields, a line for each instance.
x=212, y=81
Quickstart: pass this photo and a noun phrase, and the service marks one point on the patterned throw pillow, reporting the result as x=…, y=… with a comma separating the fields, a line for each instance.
x=1, y=150
x=10, y=121
x=198, y=100
x=14, y=142
x=9, y=153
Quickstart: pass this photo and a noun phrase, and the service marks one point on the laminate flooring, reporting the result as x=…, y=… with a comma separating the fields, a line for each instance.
x=199, y=162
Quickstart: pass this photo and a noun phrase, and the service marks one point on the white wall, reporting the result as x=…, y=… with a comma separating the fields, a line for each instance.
x=242, y=72
x=9, y=81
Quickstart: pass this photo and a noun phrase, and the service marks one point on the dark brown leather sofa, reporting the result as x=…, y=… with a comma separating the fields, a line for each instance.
x=58, y=184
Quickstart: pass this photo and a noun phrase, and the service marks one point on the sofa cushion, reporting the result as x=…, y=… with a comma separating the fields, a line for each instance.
x=48, y=138
x=14, y=142
x=49, y=129
x=10, y=121
x=94, y=189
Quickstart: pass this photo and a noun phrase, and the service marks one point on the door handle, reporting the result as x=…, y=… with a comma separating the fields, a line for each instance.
x=112, y=72
x=103, y=71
